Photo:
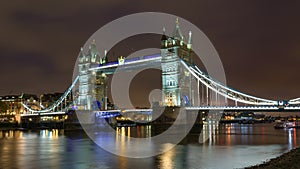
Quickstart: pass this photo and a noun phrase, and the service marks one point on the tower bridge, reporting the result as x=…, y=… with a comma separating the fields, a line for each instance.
x=184, y=84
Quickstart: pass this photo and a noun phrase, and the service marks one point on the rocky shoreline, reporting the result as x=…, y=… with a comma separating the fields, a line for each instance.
x=289, y=160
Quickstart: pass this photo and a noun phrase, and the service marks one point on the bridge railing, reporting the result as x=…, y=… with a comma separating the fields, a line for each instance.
x=225, y=91
x=55, y=104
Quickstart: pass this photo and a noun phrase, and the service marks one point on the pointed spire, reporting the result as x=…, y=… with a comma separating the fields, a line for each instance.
x=190, y=37
x=81, y=54
x=177, y=33
x=93, y=52
x=105, y=53
x=104, y=60
x=189, y=45
x=164, y=37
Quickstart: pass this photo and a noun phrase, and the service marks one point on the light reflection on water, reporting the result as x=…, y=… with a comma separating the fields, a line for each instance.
x=228, y=146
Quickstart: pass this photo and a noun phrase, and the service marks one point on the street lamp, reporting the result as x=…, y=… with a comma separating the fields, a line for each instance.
x=41, y=96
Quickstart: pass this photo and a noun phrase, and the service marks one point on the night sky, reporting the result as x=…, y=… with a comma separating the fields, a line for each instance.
x=258, y=41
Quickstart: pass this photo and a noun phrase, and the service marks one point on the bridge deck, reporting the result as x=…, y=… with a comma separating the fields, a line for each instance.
x=150, y=61
x=44, y=114
x=247, y=108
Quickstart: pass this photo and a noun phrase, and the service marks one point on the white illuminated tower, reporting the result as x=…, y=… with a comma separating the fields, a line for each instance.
x=87, y=85
x=85, y=95
x=176, y=81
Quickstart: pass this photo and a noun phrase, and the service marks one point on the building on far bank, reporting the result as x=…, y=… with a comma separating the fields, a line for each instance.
x=14, y=104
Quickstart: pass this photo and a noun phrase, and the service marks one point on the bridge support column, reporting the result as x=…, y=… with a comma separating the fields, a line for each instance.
x=198, y=92
x=65, y=102
x=207, y=103
x=86, y=117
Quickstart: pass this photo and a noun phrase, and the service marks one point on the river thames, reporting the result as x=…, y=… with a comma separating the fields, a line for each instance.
x=230, y=146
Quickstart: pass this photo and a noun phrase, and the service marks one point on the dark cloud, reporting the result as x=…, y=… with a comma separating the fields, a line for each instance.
x=19, y=61
x=258, y=41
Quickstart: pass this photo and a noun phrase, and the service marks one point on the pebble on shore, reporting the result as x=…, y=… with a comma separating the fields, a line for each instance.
x=289, y=160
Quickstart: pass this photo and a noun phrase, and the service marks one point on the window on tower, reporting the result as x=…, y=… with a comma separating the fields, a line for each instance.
x=171, y=82
x=171, y=50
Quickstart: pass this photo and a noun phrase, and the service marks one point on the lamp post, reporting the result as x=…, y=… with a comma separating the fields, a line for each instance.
x=41, y=96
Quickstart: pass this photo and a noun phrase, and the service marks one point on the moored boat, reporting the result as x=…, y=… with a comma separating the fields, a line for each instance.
x=285, y=125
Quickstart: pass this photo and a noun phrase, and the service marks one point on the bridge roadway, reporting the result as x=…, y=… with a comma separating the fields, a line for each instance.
x=113, y=113
x=43, y=114
x=129, y=64
x=247, y=108
x=220, y=108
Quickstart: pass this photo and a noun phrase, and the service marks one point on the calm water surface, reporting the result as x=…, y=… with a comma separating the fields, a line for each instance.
x=230, y=146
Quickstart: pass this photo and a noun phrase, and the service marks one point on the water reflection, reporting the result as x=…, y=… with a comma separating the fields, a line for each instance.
x=7, y=134
x=292, y=138
x=228, y=133
x=224, y=146
x=167, y=160
x=295, y=138
x=247, y=134
x=49, y=133
x=136, y=132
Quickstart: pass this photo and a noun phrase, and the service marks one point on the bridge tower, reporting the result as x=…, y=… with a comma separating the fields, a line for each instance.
x=176, y=81
x=100, y=89
x=87, y=79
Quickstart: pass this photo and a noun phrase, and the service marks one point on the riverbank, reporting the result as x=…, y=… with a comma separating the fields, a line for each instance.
x=290, y=160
